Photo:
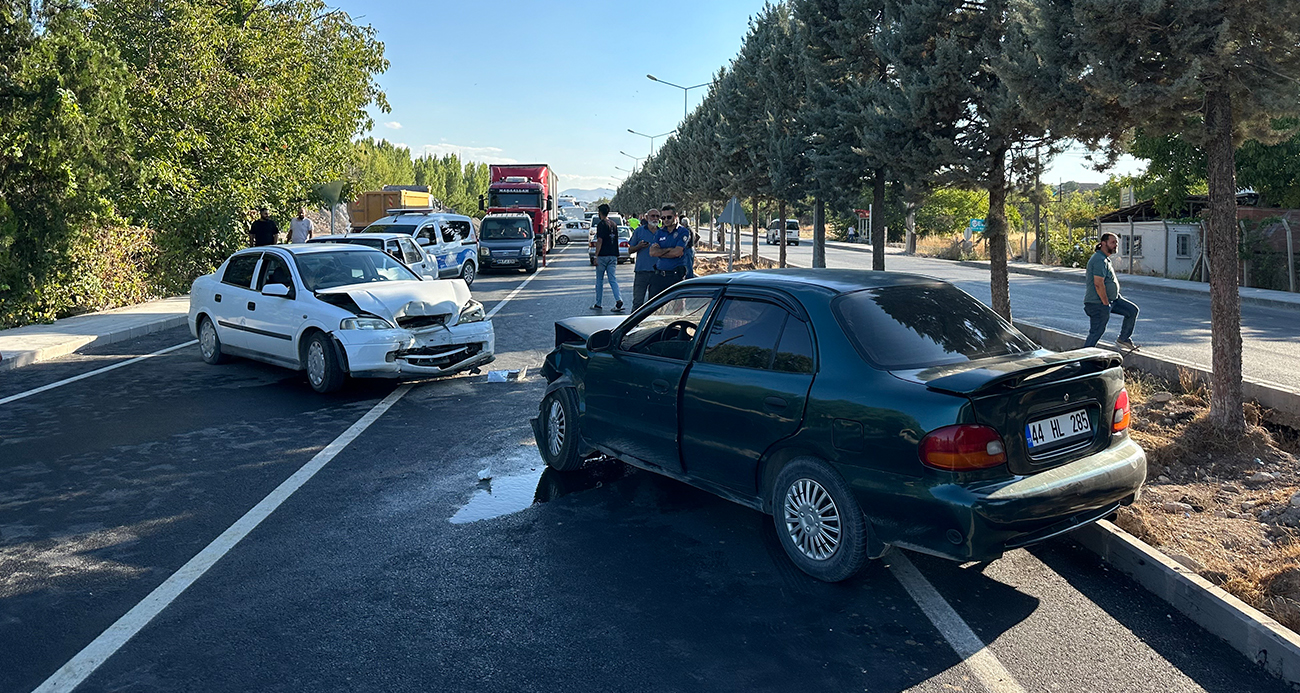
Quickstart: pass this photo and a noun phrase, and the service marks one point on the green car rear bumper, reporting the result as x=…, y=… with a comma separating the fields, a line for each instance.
x=978, y=521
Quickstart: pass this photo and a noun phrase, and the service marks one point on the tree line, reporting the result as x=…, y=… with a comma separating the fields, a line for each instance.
x=828, y=98
x=137, y=135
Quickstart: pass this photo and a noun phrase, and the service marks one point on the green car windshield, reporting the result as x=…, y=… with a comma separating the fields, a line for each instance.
x=340, y=268
x=919, y=326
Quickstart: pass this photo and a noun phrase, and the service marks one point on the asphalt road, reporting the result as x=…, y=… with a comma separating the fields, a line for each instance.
x=1175, y=325
x=399, y=567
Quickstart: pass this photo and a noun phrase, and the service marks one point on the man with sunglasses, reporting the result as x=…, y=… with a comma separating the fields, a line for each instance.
x=644, y=270
x=669, y=251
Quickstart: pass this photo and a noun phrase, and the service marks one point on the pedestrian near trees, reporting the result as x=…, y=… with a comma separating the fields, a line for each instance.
x=1102, y=297
x=606, y=259
x=264, y=231
x=300, y=227
x=644, y=270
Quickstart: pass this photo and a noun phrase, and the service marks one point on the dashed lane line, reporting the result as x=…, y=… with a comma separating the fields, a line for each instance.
x=90, y=658
x=91, y=374
x=963, y=640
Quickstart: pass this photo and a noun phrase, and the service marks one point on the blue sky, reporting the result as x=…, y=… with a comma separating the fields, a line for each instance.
x=544, y=81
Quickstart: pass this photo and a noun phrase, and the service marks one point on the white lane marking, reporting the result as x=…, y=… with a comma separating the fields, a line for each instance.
x=963, y=640
x=97, y=371
x=70, y=675
x=519, y=288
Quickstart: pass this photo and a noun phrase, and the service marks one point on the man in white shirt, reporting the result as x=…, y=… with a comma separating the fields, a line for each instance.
x=300, y=227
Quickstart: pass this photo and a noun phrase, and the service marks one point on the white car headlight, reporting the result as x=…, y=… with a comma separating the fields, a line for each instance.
x=526, y=250
x=472, y=312
x=365, y=324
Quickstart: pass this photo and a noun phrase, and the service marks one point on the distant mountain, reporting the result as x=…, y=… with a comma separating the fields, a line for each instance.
x=589, y=195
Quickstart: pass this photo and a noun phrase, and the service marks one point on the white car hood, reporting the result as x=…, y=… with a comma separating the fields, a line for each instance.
x=398, y=299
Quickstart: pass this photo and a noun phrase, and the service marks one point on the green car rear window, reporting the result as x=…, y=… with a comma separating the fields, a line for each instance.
x=919, y=326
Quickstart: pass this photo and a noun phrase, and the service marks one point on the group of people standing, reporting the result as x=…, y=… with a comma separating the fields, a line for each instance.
x=664, y=247
x=264, y=230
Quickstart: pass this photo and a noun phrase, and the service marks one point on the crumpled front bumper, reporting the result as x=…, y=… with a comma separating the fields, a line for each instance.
x=417, y=353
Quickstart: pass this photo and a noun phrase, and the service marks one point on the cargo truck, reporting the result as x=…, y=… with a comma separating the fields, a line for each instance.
x=527, y=188
x=373, y=205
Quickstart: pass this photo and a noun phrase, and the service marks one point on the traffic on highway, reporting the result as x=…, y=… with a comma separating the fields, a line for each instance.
x=361, y=477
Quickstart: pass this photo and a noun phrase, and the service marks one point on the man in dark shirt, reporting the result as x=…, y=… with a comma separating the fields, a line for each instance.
x=606, y=259
x=264, y=230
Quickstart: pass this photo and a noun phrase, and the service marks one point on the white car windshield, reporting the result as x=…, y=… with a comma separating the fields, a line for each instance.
x=340, y=268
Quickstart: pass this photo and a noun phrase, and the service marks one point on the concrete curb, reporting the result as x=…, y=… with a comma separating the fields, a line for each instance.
x=1263, y=640
x=75, y=343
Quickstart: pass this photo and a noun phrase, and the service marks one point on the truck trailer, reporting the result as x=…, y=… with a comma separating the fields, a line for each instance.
x=527, y=188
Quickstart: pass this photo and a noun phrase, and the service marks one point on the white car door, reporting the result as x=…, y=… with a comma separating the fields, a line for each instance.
x=273, y=321
x=415, y=258
x=229, y=307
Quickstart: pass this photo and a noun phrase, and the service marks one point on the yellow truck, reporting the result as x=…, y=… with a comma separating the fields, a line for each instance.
x=374, y=205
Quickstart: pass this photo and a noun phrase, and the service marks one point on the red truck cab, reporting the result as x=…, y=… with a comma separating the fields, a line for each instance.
x=527, y=188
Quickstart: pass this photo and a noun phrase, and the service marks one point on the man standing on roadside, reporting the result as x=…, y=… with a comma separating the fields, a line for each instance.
x=264, y=231
x=1101, y=296
x=644, y=270
x=300, y=227
x=669, y=251
x=606, y=259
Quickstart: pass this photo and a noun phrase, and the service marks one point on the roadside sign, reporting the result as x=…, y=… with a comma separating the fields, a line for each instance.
x=733, y=214
x=975, y=226
x=863, y=213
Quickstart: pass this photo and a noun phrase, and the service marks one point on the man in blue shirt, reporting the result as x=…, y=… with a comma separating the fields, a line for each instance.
x=644, y=270
x=669, y=251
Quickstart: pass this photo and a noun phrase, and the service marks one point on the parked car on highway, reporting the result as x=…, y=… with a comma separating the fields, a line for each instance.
x=449, y=239
x=337, y=310
x=507, y=242
x=624, y=245
x=863, y=410
x=570, y=230
x=399, y=245
x=791, y=232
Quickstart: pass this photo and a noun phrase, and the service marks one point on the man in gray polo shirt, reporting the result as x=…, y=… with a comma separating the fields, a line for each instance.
x=1101, y=296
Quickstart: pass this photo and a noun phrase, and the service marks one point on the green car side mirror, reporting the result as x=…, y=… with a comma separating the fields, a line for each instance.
x=601, y=340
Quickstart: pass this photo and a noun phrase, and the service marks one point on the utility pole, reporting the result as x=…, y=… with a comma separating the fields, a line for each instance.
x=1038, y=212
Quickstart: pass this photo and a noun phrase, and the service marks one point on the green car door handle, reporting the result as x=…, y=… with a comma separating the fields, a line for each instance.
x=660, y=386
x=775, y=403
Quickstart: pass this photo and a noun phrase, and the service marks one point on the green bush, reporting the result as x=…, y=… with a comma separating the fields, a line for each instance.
x=1067, y=253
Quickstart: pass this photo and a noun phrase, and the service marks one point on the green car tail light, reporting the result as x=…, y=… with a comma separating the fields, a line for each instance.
x=962, y=448
x=1120, y=419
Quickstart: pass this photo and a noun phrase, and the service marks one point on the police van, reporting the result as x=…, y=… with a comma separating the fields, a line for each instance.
x=451, y=240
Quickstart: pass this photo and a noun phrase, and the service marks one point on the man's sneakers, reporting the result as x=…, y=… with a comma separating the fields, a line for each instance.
x=596, y=307
x=618, y=307
x=1126, y=344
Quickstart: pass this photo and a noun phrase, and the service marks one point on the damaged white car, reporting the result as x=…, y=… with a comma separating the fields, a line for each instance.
x=337, y=310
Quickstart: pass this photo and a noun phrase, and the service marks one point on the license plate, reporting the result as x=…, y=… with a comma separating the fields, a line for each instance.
x=1057, y=428
x=505, y=262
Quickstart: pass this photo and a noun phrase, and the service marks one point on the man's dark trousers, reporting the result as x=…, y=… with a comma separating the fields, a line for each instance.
x=664, y=279
x=641, y=281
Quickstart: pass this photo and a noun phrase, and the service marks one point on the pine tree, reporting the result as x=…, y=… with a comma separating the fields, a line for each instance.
x=1217, y=72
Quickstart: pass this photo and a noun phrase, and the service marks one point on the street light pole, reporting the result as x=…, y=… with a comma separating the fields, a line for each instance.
x=685, y=91
x=652, y=138
x=637, y=159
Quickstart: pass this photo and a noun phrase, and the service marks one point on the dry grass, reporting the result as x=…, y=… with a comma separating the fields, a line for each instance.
x=953, y=247
x=718, y=265
x=1204, y=503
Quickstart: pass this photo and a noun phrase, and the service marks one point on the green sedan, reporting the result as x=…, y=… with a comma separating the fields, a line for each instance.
x=862, y=410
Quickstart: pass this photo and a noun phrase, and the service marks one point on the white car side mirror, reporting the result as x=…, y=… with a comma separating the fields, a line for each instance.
x=275, y=290
x=422, y=241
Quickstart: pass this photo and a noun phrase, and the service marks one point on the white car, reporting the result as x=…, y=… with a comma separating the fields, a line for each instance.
x=337, y=311
x=399, y=245
x=791, y=232
x=570, y=230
